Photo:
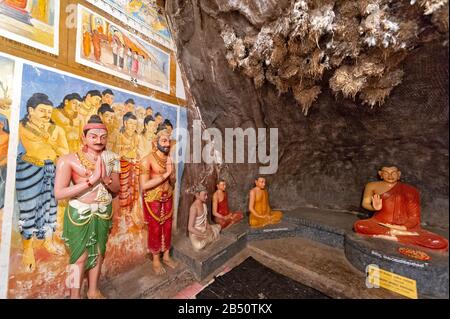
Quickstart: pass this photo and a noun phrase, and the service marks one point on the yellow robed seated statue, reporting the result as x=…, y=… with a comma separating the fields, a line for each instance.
x=260, y=212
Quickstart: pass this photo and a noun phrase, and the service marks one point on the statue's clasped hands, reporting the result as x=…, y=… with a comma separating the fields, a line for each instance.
x=99, y=172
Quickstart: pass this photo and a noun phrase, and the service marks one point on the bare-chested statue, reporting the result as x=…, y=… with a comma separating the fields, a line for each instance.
x=157, y=181
x=88, y=179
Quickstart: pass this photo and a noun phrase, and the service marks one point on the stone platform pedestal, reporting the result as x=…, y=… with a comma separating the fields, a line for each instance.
x=431, y=276
x=332, y=228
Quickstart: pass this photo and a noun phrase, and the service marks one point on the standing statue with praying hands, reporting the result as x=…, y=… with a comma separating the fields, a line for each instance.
x=89, y=179
x=157, y=182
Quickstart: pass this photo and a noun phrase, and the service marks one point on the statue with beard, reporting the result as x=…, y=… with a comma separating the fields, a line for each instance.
x=157, y=181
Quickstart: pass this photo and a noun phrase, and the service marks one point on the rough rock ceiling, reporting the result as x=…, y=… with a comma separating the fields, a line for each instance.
x=360, y=43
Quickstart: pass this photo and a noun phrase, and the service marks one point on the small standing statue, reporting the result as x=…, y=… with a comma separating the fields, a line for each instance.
x=260, y=212
x=201, y=233
x=397, y=212
x=222, y=214
x=88, y=178
x=157, y=181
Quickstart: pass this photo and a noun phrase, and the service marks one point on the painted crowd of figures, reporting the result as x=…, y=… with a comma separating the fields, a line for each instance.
x=48, y=132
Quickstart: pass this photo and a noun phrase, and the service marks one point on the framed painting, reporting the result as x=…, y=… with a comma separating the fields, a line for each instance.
x=104, y=46
x=31, y=22
x=140, y=15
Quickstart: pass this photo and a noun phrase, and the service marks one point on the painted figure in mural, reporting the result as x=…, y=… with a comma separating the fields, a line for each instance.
x=130, y=106
x=157, y=183
x=142, y=66
x=43, y=142
x=88, y=179
x=106, y=114
x=158, y=119
x=87, y=38
x=148, y=111
x=121, y=53
x=119, y=112
x=129, y=60
x=147, y=136
x=115, y=45
x=221, y=212
x=4, y=140
x=40, y=10
x=260, y=212
x=140, y=114
x=90, y=105
x=108, y=97
x=126, y=146
x=135, y=64
x=66, y=117
x=397, y=212
x=97, y=44
x=201, y=233
x=134, y=7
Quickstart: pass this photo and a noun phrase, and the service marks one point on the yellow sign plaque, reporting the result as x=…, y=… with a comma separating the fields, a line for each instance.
x=404, y=286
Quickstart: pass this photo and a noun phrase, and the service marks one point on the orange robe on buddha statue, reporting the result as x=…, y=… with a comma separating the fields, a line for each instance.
x=401, y=206
x=267, y=215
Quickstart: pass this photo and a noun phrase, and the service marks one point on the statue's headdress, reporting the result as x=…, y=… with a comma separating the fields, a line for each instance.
x=199, y=188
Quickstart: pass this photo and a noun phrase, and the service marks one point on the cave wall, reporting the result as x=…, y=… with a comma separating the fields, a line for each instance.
x=327, y=157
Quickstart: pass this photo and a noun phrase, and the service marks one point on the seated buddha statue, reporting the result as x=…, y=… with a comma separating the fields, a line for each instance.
x=260, y=212
x=222, y=214
x=397, y=212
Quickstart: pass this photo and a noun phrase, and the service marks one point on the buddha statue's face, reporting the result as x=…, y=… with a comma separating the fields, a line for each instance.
x=222, y=186
x=96, y=139
x=260, y=183
x=41, y=114
x=390, y=174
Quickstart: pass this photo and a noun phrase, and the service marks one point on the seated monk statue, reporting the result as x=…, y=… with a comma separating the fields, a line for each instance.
x=201, y=233
x=397, y=212
x=260, y=212
x=222, y=214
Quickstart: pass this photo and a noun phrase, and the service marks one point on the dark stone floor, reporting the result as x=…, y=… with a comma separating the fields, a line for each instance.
x=253, y=280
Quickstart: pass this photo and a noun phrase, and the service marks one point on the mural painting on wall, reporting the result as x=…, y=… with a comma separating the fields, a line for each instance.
x=54, y=107
x=31, y=22
x=6, y=87
x=143, y=16
x=104, y=46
